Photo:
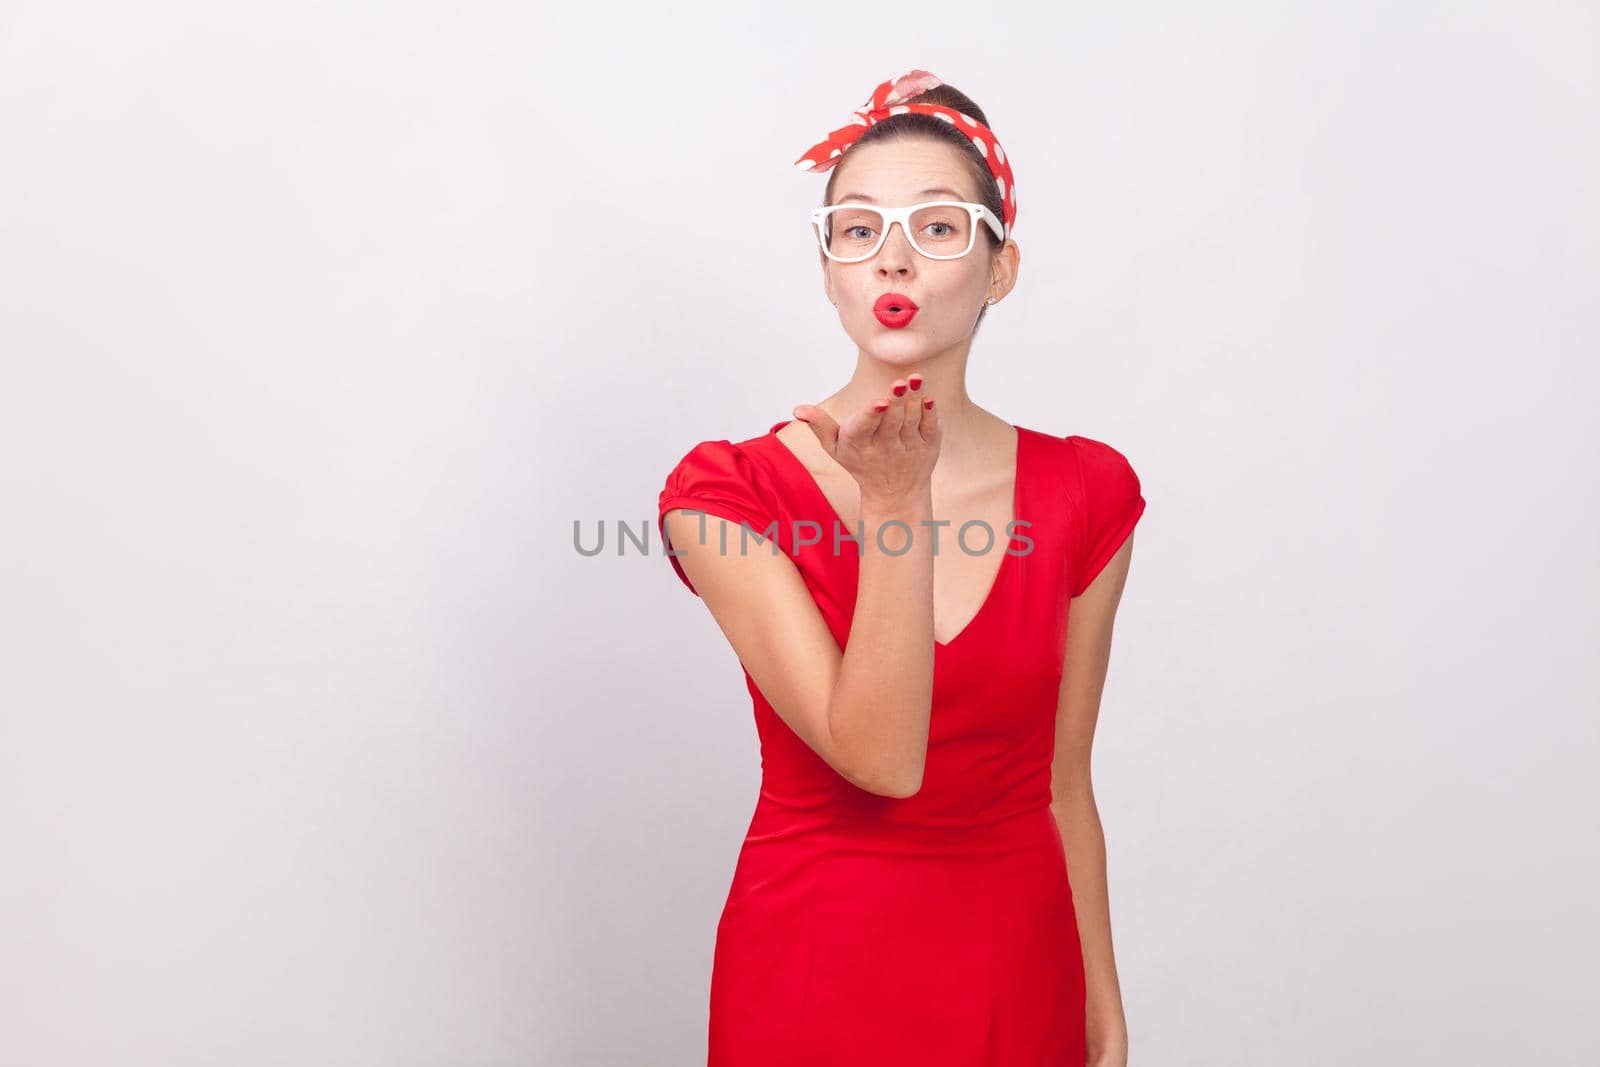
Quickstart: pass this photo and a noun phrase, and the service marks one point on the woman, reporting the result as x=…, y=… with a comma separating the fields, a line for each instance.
x=924, y=710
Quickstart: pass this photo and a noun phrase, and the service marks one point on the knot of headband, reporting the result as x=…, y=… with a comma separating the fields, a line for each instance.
x=890, y=98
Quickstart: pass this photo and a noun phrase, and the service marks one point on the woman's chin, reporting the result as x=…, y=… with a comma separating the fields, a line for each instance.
x=897, y=348
x=909, y=345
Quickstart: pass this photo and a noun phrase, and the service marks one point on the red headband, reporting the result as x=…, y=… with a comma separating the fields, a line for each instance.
x=889, y=99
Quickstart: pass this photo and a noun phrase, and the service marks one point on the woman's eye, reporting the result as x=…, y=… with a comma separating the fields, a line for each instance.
x=946, y=225
x=858, y=236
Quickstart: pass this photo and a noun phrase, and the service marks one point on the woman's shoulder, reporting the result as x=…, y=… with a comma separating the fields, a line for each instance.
x=720, y=477
x=1098, y=460
x=1083, y=462
x=727, y=474
x=1103, y=492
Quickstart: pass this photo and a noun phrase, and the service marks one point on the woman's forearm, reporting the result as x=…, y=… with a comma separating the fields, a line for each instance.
x=883, y=698
x=1083, y=838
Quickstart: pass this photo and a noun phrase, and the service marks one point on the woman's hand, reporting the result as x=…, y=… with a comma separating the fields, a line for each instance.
x=889, y=447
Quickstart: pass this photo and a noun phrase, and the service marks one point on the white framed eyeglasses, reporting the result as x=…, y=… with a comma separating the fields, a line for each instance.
x=937, y=229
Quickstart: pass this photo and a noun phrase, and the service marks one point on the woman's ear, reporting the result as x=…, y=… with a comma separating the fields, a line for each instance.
x=1003, y=276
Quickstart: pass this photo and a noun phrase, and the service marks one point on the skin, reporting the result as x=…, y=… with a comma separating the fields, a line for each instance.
x=866, y=710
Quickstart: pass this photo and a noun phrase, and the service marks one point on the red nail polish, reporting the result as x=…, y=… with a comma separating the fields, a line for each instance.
x=916, y=383
x=899, y=390
x=881, y=407
x=928, y=403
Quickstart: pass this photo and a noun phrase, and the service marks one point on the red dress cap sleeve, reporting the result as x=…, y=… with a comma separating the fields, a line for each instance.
x=1112, y=504
x=715, y=477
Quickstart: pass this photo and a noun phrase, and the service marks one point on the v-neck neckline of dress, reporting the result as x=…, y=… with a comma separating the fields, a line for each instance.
x=1003, y=538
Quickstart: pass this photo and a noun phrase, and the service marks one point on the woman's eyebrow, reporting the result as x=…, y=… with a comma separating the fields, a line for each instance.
x=925, y=192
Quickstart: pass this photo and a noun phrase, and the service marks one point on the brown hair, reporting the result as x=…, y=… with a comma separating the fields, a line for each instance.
x=911, y=126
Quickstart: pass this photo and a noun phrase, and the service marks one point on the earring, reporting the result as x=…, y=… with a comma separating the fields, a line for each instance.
x=989, y=301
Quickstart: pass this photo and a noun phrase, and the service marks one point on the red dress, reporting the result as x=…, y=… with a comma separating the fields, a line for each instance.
x=936, y=930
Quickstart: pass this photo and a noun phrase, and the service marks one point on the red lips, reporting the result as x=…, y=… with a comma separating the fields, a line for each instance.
x=895, y=310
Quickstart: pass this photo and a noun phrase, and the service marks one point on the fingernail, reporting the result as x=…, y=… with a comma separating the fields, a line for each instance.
x=928, y=403
x=916, y=383
x=899, y=390
x=881, y=407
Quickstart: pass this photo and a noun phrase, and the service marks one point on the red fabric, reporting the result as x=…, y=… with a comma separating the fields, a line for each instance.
x=889, y=98
x=936, y=930
x=716, y=478
x=1112, y=504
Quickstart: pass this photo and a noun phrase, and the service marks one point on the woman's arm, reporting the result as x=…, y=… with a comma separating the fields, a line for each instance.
x=866, y=710
x=1088, y=653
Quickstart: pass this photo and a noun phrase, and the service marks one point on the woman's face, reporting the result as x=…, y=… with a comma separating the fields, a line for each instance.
x=948, y=292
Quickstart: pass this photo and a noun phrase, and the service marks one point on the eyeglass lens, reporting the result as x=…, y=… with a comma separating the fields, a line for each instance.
x=938, y=230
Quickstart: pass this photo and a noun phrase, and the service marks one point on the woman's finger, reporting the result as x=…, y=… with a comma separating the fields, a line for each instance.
x=872, y=418
x=930, y=420
x=910, y=423
x=895, y=416
x=822, y=424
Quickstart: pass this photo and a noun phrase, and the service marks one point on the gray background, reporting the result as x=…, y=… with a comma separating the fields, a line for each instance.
x=321, y=744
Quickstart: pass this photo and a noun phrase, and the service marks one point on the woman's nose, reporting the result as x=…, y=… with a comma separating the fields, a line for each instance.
x=896, y=253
